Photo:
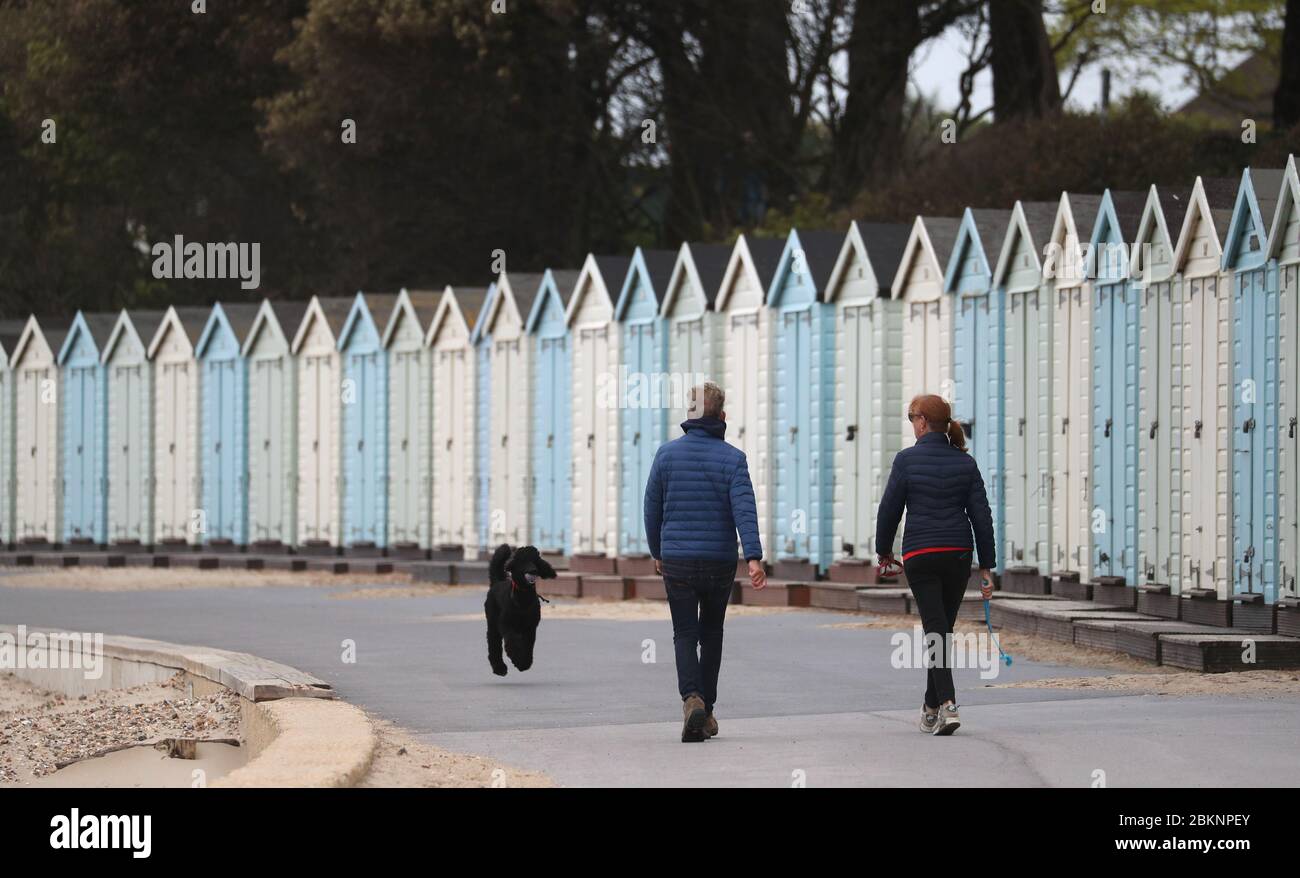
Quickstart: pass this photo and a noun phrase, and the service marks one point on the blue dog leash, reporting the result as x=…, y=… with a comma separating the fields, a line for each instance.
x=1006, y=658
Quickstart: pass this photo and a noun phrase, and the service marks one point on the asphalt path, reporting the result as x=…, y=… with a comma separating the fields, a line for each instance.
x=802, y=701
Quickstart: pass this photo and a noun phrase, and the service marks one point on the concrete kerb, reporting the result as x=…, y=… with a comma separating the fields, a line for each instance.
x=297, y=732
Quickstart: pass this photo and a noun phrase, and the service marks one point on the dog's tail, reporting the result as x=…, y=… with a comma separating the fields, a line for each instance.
x=497, y=569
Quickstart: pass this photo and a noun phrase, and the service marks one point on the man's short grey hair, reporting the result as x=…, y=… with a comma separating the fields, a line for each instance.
x=707, y=400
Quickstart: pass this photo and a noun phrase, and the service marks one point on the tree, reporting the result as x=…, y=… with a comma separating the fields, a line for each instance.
x=1286, y=100
x=1024, y=69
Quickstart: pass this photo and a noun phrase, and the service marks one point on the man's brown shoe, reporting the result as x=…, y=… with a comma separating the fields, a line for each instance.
x=710, y=726
x=693, y=716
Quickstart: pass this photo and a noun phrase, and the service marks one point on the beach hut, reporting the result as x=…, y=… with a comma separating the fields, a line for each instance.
x=410, y=412
x=804, y=392
x=480, y=342
x=1255, y=401
x=977, y=344
x=597, y=399
x=747, y=339
x=1160, y=412
x=868, y=374
x=454, y=409
x=223, y=422
x=646, y=374
x=1206, y=386
x=1026, y=366
x=927, y=312
x=177, y=517
x=10, y=332
x=695, y=329
x=130, y=428
x=35, y=374
x=1115, y=321
x=315, y=351
x=1065, y=275
x=85, y=429
x=364, y=399
x=509, y=433
x=1284, y=248
x=273, y=423
x=552, y=417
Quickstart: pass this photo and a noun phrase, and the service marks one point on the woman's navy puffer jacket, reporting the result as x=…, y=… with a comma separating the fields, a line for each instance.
x=943, y=492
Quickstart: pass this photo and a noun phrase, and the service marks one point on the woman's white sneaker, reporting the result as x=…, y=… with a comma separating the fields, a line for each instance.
x=929, y=721
x=949, y=720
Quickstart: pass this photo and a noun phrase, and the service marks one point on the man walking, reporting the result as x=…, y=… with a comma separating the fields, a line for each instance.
x=697, y=498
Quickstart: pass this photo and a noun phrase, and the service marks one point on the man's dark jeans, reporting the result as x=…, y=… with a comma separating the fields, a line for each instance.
x=698, y=594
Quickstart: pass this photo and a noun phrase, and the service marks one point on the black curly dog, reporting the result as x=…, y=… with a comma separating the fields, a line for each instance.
x=513, y=607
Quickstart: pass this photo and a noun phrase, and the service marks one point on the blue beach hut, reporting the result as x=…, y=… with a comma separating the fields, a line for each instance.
x=804, y=392
x=223, y=428
x=643, y=417
x=552, y=489
x=365, y=421
x=85, y=428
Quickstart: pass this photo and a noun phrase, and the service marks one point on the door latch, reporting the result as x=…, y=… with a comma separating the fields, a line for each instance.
x=1106, y=431
x=853, y=430
x=1248, y=425
x=1196, y=434
x=1154, y=424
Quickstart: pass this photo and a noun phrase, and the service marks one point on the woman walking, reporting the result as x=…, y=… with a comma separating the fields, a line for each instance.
x=940, y=486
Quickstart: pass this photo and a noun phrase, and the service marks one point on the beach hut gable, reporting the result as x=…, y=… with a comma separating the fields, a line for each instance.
x=969, y=259
x=1017, y=252
x=592, y=302
x=1105, y=242
x=361, y=322
x=1153, y=245
x=805, y=265
x=1199, y=249
x=314, y=325
x=548, y=310
x=920, y=268
x=852, y=266
x=638, y=296
x=266, y=325
x=1247, y=236
x=178, y=332
x=685, y=296
x=749, y=273
x=1064, y=256
x=1284, y=228
x=448, y=322
x=125, y=340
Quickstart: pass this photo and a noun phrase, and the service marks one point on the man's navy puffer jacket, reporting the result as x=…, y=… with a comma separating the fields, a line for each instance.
x=943, y=492
x=698, y=496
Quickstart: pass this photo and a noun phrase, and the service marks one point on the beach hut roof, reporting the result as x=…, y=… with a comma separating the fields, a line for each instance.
x=710, y=265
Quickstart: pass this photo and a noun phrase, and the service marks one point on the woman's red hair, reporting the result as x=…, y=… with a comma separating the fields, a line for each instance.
x=938, y=414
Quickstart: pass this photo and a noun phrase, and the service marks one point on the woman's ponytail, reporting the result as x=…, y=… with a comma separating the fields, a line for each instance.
x=956, y=435
x=937, y=412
